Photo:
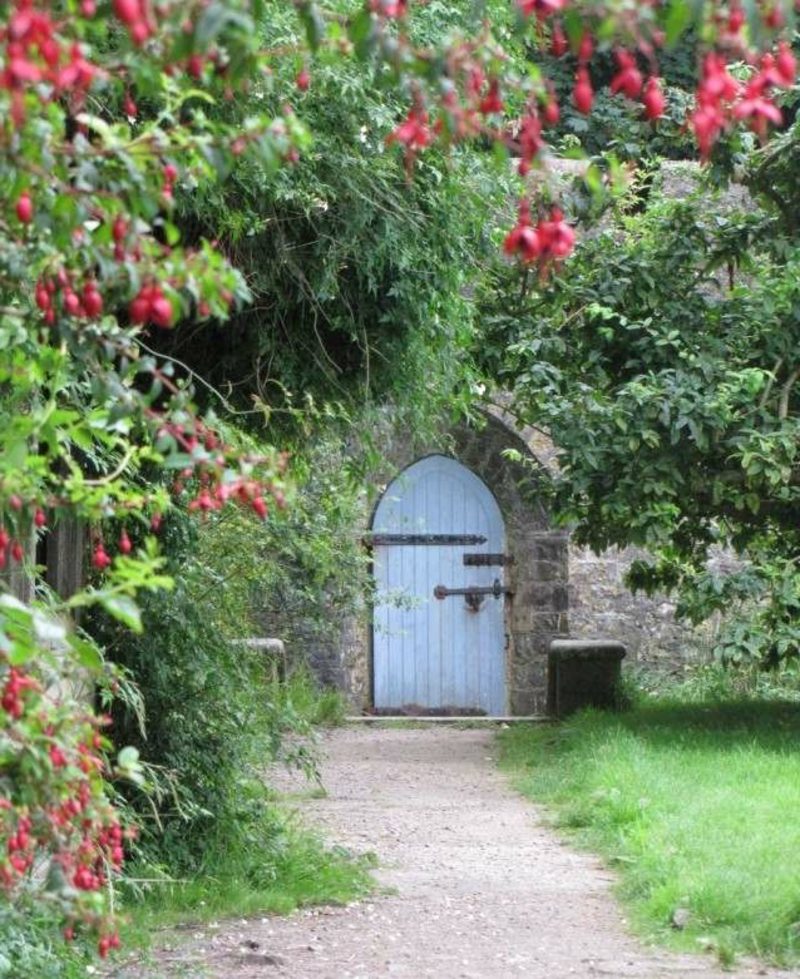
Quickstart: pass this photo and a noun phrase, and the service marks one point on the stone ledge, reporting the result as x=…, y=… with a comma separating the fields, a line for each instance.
x=606, y=649
x=274, y=651
x=265, y=645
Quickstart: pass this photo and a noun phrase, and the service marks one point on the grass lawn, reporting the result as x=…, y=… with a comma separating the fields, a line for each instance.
x=697, y=807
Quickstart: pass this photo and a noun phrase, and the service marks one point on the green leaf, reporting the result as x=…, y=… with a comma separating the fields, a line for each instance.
x=573, y=22
x=312, y=24
x=210, y=24
x=123, y=608
x=362, y=33
x=21, y=652
x=15, y=454
x=87, y=654
x=171, y=233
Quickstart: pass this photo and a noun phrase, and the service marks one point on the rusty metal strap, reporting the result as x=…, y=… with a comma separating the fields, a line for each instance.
x=423, y=540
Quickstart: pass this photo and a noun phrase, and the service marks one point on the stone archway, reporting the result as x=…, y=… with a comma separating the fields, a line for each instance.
x=536, y=611
x=539, y=575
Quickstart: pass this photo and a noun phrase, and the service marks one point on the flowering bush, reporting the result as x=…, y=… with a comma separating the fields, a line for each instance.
x=108, y=113
x=62, y=836
x=89, y=262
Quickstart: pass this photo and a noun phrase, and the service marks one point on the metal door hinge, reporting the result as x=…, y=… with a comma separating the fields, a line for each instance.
x=488, y=560
x=424, y=540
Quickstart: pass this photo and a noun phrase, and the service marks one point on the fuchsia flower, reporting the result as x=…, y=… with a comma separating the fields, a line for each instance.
x=551, y=240
x=628, y=78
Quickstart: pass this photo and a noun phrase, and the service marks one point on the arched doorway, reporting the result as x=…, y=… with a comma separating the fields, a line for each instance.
x=439, y=560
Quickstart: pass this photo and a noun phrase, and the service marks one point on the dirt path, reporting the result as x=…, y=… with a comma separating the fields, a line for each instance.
x=482, y=890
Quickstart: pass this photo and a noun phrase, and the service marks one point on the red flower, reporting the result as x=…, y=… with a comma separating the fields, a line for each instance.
x=25, y=208
x=491, y=102
x=653, y=99
x=523, y=240
x=583, y=93
x=150, y=305
x=390, y=8
x=414, y=132
x=556, y=236
x=736, y=19
x=541, y=8
x=100, y=558
x=530, y=141
x=707, y=122
x=717, y=83
x=786, y=64
x=758, y=111
x=558, y=42
x=628, y=78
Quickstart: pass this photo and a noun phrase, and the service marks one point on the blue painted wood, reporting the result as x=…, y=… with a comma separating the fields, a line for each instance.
x=429, y=652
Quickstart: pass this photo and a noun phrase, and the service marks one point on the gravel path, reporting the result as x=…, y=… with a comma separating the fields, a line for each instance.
x=479, y=887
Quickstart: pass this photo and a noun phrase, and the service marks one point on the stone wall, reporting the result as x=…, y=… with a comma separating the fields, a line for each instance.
x=558, y=589
x=602, y=607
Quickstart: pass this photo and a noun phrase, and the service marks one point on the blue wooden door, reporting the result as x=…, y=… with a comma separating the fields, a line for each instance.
x=438, y=652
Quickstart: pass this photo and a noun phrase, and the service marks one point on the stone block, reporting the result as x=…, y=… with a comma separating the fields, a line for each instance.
x=583, y=673
x=274, y=653
x=549, y=571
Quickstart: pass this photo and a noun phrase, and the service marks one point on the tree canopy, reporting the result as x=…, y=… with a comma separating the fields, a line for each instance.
x=663, y=364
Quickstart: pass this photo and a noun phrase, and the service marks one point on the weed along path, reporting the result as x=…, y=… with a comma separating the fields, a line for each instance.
x=472, y=885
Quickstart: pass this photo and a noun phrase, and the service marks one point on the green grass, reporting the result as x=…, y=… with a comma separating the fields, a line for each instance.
x=260, y=859
x=305, y=873
x=32, y=947
x=695, y=805
x=301, y=695
x=295, y=869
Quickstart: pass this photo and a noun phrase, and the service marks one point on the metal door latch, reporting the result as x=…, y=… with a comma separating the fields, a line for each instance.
x=474, y=593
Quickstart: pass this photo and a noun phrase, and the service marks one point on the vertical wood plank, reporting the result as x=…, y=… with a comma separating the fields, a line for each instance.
x=66, y=549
